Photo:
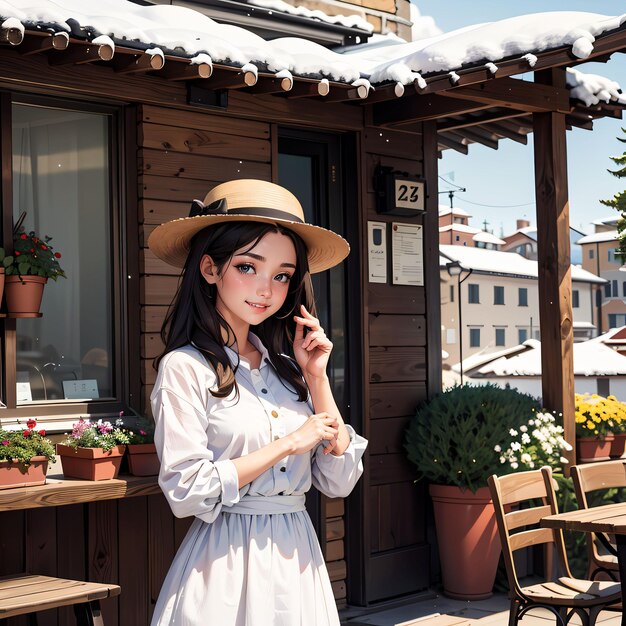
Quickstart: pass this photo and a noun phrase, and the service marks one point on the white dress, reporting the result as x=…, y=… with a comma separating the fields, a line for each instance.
x=251, y=556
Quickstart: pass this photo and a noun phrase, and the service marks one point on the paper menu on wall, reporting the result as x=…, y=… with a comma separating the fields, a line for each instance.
x=407, y=254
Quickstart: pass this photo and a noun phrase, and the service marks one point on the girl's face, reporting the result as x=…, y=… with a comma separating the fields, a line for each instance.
x=254, y=284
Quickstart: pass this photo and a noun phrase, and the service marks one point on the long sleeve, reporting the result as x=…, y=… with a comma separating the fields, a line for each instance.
x=193, y=481
x=336, y=476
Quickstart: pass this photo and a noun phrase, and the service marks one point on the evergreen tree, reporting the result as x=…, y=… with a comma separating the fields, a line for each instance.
x=618, y=202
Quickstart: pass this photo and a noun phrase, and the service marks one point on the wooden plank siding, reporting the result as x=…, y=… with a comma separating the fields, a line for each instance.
x=397, y=382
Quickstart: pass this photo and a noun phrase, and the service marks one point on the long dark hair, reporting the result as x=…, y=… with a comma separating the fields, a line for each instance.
x=193, y=319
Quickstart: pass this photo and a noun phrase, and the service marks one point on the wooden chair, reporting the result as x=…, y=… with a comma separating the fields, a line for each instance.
x=25, y=594
x=561, y=594
x=592, y=477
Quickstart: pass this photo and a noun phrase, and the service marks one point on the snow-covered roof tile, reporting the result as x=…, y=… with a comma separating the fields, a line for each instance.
x=496, y=262
x=446, y=210
x=461, y=228
x=183, y=32
x=485, y=237
x=609, y=235
x=606, y=221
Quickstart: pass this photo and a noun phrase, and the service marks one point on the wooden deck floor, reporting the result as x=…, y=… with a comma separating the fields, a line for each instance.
x=442, y=611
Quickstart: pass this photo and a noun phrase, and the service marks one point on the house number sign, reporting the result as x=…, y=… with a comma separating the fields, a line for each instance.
x=409, y=194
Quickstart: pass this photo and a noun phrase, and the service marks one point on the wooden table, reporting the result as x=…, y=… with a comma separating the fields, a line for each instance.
x=610, y=518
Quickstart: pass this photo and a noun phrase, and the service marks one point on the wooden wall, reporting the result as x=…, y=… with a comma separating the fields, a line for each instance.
x=395, y=324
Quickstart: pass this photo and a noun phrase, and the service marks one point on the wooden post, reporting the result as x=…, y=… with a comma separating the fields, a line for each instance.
x=554, y=264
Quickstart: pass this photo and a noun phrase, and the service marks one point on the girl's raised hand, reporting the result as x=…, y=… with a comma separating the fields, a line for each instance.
x=312, y=350
x=318, y=428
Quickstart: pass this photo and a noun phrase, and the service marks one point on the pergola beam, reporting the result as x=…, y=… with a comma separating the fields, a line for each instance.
x=451, y=142
x=498, y=129
x=554, y=262
x=478, y=120
x=517, y=94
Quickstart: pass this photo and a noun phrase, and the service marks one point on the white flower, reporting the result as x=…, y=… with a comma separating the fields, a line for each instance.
x=497, y=448
x=523, y=428
x=502, y=459
x=525, y=438
x=526, y=458
x=531, y=422
x=563, y=459
x=513, y=432
x=514, y=465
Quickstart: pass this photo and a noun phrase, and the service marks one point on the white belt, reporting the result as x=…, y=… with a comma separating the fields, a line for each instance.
x=266, y=505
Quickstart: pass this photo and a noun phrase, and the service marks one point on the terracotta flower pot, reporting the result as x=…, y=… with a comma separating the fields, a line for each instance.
x=143, y=459
x=14, y=474
x=467, y=536
x=618, y=446
x=90, y=463
x=23, y=295
x=593, y=449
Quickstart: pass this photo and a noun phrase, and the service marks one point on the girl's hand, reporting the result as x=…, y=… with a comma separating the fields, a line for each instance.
x=313, y=350
x=319, y=427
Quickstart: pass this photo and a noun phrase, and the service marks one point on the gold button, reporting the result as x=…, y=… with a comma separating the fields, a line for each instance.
x=274, y=414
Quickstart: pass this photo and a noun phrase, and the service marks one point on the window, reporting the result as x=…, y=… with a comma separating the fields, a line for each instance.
x=611, y=256
x=473, y=294
x=614, y=288
x=63, y=177
x=575, y=299
x=522, y=296
x=458, y=238
x=522, y=335
x=500, y=336
x=607, y=290
x=604, y=386
x=617, y=319
x=591, y=253
x=498, y=295
x=451, y=293
x=474, y=337
x=624, y=289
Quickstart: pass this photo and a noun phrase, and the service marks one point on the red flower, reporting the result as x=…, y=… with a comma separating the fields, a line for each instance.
x=27, y=433
x=31, y=423
x=23, y=236
x=44, y=247
x=32, y=249
x=42, y=432
x=17, y=253
x=57, y=255
x=35, y=239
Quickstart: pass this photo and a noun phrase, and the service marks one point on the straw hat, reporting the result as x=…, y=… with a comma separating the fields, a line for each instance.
x=248, y=200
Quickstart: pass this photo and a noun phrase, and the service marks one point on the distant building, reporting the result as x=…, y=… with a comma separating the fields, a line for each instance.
x=454, y=230
x=499, y=301
x=524, y=241
x=599, y=256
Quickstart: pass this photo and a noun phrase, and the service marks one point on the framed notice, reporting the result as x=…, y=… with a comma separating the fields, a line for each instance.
x=377, y=252
x=86, y=389
x=23, y=390
x=407, y=250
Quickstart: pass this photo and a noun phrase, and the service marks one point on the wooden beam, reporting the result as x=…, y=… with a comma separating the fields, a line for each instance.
x=137, y=63
x=36, y=43
x=272, y=85
x=554, y=263
x=225, y=79
x=308, y=89
x=348, y=95
x=11, y=36
x=452, y=142
x=497, y=129
x=416, y=108
x=518, y=124
x=478, y=135
x=80, y=53
x=180, y=69
x=478, y=120
x=517, y=94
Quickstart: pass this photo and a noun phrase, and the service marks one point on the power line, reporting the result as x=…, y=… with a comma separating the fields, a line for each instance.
x=489, y=206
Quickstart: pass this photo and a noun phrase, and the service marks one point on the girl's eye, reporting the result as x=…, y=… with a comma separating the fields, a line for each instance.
x=283, y=278
x=245, y=268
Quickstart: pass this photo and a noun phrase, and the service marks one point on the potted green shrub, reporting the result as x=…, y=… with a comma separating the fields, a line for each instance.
x=93, y=451
x=456, y=441
x=24, y=456
x=27, y=271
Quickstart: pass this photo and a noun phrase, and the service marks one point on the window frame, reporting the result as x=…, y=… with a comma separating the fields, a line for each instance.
x=470, y=288
x=520, y=341
x=502, y=331
x=473, y=332
x=497, y=291
x=522, y=301
x=124, y=267
x=575, y=299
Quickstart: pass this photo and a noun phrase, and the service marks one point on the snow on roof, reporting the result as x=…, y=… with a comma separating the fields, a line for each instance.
x=486, y=237
x=351, y=21
x=606, y=221
x=184, y=32
x=446, y=210
x=583, y=325
x=591, y=358
x=592, y=88
x=462, y=228
x=496, y=262
x=608, y=235
x=423, y=25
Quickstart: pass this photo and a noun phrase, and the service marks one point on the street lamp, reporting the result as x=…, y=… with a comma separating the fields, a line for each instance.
x=456, y=269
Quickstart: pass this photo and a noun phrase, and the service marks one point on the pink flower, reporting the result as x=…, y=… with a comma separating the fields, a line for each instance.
x=6, y=442
x=143, y=432
x=79, y=428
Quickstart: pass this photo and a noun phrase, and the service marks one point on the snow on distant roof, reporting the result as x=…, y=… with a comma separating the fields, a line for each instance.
x=184, y=32
x=606, y=221
x=461, y=228
x=486, y=237
x=583, y=325
x=446, y=210
x=351, y=21
x=608, y=235
x=496, y=262
x=590, y=359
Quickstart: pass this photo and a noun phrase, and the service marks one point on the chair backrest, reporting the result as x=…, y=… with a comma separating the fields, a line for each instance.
x=594, y=476
x=535, y=491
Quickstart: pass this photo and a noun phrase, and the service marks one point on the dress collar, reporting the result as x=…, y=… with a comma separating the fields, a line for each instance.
x=235, y=360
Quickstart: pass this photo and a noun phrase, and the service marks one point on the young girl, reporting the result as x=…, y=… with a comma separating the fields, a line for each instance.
x=243, y=430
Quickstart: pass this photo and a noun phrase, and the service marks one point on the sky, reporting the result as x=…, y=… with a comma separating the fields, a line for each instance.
x=505, y=177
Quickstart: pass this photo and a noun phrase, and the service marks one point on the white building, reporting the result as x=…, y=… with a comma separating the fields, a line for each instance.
x=499, y=305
